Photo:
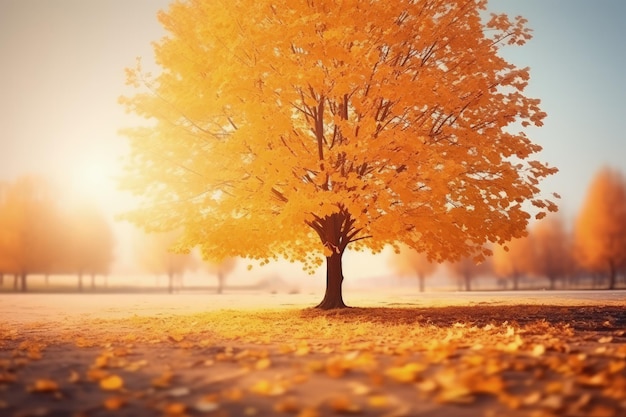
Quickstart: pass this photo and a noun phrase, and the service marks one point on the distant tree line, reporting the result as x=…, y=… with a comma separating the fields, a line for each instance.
x=42, y=234
x=591, y=253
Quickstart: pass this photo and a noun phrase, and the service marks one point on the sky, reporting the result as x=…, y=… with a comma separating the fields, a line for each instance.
x=63, y=70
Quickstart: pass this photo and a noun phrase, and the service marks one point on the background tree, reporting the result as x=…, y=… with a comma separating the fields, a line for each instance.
x=294, y=129
x=552, y=247
x=30, y=228
x=600, y=233
x=467, y=269
x=155, y=254
x=91, y=243
x=409, y=262
x=221, y=270
x=513, y=260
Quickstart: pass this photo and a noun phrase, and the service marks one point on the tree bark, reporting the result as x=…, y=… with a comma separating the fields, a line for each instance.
x=336, y=231
x=333, y=297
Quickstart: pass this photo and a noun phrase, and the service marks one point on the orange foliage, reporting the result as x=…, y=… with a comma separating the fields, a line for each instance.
x=600, y=235
x=30, y=228
x=293, y=129
x=552, y=246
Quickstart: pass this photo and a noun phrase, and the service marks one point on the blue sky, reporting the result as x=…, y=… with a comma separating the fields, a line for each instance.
x=63, y=63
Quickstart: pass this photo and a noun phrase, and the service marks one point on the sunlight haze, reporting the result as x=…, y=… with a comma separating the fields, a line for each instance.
x=63, y=71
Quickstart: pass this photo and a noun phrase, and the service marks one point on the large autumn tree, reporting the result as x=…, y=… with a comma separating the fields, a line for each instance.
x=294, y=129
x=600, y=233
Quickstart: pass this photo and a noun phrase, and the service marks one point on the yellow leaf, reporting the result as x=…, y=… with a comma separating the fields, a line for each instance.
x=378, y=401
x=407, y=373
x=111, y=383
x=268, y=388
x=538, y=350
x=263, y=363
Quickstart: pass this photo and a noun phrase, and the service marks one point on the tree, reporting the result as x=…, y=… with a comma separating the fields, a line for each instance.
x=513, y=260
x=467, y=269
x=600, y=233
x=294, y=129
x=409, y=262
x=221, y=270
x=155, y=254
x=30, y=232
x=552, y=250
x=91, y=243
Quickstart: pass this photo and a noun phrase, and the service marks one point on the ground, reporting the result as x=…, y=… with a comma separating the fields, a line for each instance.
x=534, y=354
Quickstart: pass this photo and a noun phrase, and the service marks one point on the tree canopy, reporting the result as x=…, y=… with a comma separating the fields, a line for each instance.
x=600, y=233
x=292, y=129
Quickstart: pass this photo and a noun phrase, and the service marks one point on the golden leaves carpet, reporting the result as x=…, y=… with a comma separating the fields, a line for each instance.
x=527, y=360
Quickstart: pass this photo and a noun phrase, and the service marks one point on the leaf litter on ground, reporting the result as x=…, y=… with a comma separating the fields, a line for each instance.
x=477, y=360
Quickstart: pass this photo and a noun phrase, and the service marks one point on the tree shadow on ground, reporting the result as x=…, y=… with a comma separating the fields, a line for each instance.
x=589, y=318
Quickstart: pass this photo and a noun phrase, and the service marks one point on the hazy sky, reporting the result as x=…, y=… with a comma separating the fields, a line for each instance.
x=63, y=69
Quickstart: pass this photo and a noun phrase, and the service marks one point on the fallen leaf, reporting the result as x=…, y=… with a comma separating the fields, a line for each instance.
x=268, y=388
x=344, y=405
x=406, y=373
x=111, y=383
x=287, y=405
x=263, y=363
x=44, y=385
x=175, y=409
x=74, y=377
x=206, y=406
x=178, y=392
x=163, y=381
x=114, y=403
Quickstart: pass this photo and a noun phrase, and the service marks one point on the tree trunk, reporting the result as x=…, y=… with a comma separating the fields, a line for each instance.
x=336, y=231
x=16, y=278
x=552, y=282
x=515, y=281
x=333, y=298
x=1, y=279
x=170, y=283
x=220, y=282
x=612, y=275
x=468, y=282
x=80, y=281
x=24, y=287
x=421, y=280
x=93, y=281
